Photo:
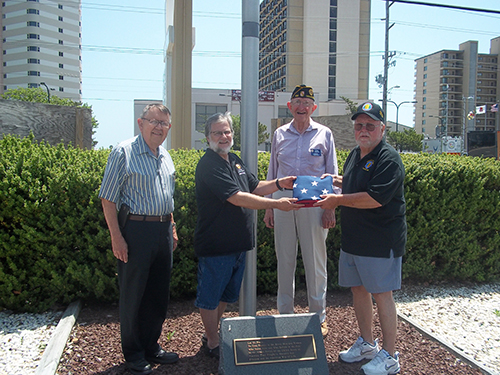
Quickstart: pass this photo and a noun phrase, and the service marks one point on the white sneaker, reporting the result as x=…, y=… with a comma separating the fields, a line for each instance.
x=382, y=364
x=359, y=351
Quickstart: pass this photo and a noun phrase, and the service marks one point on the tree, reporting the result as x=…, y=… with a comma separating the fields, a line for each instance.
x=262, y=136
x=408, y=140
x=351, y=107
x=39, y=95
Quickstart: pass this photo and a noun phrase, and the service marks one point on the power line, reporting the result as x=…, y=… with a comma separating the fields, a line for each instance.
x=446, y=6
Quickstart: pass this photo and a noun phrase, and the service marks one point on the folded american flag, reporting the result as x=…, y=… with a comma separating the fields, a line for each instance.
x=309, y=188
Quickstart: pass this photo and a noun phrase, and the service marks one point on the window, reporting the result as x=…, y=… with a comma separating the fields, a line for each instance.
x=61, y=30
x=33, y=73
x=32, y=85
x=61, y=66
x=283, y=112
x=424, y=92
x=61, y=89
x=425, y=83
x=424, y=99
x=33, y=49
x=61, y=78
x=61, y=42
x=425, y=60
x=425, y=76
x=32, y=11
x=425, y=68
x=59, y=6
x=203, y=112
x=33, y=23
x=33, y=61
x=60, y=18
x=61, y=54
x=33, y=36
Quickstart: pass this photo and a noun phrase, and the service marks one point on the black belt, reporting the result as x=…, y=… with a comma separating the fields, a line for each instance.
x=161, y=219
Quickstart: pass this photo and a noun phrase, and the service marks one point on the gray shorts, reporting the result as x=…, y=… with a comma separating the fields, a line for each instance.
x=377, y=275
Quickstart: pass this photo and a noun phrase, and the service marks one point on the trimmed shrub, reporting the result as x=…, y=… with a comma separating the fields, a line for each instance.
x=55, y=246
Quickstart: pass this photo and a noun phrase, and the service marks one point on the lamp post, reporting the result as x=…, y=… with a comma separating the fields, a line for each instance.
x=397, y=108
x=48, y=91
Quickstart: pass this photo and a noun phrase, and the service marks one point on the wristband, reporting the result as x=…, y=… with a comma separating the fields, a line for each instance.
x=278, y=185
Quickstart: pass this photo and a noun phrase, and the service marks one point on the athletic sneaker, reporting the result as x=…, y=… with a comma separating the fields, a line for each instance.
x=382, y=364
x=359, y=351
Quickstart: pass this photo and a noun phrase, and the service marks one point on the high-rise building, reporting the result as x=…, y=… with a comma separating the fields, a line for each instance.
x=455, y=90
x=41, y=45
x=322, y=43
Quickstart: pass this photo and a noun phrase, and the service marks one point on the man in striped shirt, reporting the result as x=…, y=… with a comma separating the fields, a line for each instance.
x=138, y=184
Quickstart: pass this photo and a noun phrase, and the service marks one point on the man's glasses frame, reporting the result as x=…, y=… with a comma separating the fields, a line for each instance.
x=155, y=123
x=370, y=127
x=219, y=133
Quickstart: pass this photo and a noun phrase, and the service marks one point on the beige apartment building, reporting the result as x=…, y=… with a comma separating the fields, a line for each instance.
x=321, y=43
x=452, y=85
x=40, y=43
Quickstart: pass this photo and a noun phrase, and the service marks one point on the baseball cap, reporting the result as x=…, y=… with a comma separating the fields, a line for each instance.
x=370, y=109
x=303, y=91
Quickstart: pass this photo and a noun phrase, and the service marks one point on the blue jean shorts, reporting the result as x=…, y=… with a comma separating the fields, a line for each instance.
x=377, y=275
x=219, y=280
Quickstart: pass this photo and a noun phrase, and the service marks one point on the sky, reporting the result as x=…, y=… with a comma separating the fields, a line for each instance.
x=122, y=51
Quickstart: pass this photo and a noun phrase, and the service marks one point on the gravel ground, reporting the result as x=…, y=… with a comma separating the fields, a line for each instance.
x=23, y=338
x=466, y=316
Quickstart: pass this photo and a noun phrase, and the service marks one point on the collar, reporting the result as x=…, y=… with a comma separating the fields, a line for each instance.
x=312, y=126
x=143, y=148
x=374, y=151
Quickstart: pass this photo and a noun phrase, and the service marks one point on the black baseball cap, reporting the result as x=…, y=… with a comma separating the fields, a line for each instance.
x=302, y=91
x=370, y=109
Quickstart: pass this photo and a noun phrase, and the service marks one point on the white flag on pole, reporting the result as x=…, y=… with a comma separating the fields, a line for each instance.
x=481, y=109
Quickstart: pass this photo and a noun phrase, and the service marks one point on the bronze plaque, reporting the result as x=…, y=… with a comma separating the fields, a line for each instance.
x=254, y=351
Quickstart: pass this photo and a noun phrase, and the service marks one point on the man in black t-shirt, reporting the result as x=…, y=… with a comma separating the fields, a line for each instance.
x=226, y=192
x=373, y=237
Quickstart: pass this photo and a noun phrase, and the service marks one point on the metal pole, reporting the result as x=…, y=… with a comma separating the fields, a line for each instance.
x=386, y=58
x=397, y=115
x=249, y=119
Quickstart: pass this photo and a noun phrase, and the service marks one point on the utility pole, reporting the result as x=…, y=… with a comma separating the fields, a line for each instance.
x=387, y=56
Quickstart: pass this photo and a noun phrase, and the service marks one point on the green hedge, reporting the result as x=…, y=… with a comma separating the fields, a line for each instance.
x=55, y=247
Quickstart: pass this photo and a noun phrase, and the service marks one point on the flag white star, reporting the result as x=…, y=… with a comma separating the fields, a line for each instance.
x=314, y=183
x=303, y=191
x=314, y=198
x=325, y=191
x=294, y=185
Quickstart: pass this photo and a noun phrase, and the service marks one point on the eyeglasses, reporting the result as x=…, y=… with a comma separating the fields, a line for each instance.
x=155, y=123
x=369, y=127
x=219, y=133
x=305, y=103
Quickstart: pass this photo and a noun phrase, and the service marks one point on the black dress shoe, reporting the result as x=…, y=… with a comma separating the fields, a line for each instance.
x=139, y=367
x=163, y=357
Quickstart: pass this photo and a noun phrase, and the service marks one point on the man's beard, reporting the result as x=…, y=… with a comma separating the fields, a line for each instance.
x=214, y=146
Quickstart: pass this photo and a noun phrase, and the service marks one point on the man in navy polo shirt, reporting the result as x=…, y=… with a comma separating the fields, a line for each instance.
x=226, y=193
x=373, y=237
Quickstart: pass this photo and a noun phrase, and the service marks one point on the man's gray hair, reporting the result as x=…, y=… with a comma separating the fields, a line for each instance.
x=160, y=107
x=218, y=117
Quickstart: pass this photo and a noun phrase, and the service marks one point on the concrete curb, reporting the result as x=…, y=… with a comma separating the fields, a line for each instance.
x=52, y=354
x=452, y=349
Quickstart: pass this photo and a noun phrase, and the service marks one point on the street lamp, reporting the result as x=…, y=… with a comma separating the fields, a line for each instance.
x=48, y=91
x=397, y=108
